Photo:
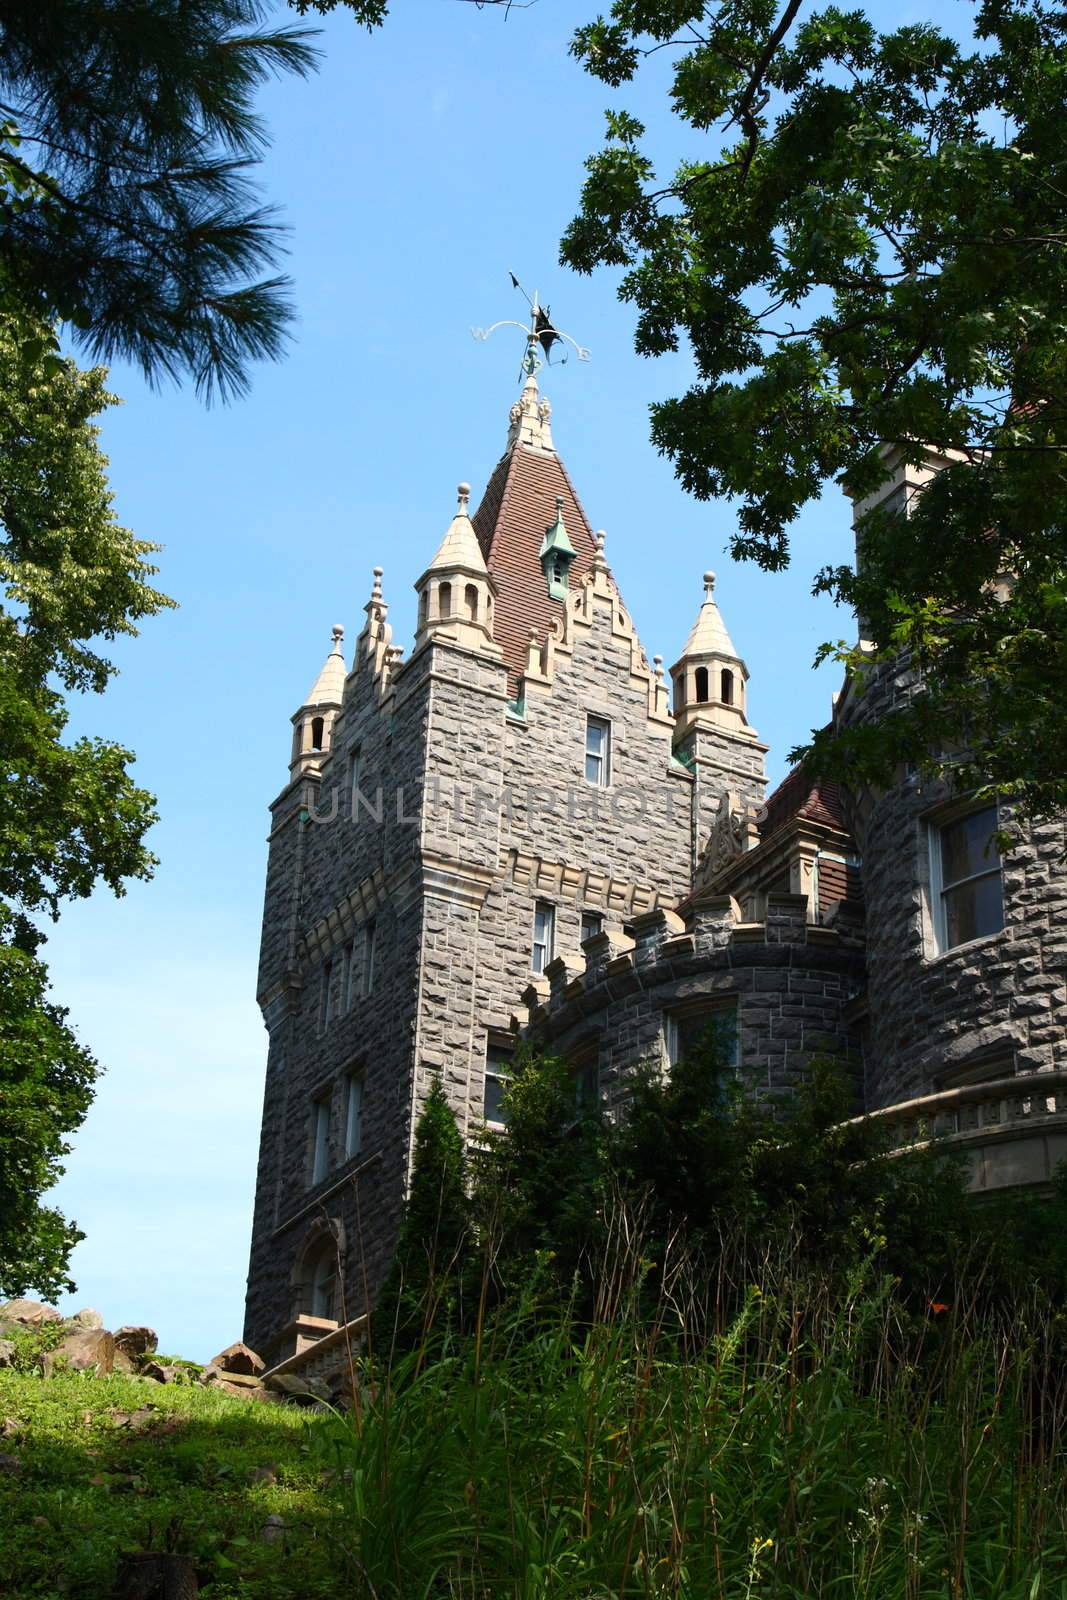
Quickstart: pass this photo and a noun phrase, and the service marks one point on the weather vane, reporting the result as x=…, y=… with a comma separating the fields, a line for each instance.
x=541, y=333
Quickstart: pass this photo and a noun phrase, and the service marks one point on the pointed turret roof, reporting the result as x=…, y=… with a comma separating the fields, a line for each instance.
x=460, y=547
x=518, y=505
x=708, y=636
x=329, y=687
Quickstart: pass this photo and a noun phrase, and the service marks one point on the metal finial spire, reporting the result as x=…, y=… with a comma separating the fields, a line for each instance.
x=541, y=333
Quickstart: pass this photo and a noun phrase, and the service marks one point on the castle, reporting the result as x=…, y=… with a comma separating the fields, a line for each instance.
x=524, y=831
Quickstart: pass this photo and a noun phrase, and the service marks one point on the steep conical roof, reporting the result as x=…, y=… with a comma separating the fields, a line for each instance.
x=460, y=547
x=518, y=505
x=328, y=688
x=708, y=636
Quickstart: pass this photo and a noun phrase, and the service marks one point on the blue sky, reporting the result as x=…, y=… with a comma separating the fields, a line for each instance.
x=414, y=171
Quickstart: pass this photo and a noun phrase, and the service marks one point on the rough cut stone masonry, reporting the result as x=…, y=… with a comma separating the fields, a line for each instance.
x=435, y=803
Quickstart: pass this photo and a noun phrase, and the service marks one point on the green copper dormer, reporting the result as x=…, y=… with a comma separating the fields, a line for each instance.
x=556, y=554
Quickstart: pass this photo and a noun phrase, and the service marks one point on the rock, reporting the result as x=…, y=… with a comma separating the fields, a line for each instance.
x=30, y=1313
x=256, y=1392
x=7, y=1353
x=134, y=1342
x=272, y=1530
x=239, y=1358
x=160, y=1372
x=305, y=1390
x=82, y=1350
x=210, y=1374
x=238, y=1380
x=86, y=1318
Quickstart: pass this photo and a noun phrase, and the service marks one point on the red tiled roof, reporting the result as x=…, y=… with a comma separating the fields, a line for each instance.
x=798, y=795
x=518, y=505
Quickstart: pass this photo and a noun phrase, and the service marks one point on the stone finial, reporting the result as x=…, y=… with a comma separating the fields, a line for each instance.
x=657, y=662
x=338, y=631
x=709, y=584
x=599, y=562
x=463, y=490
x=530, y=419
x=376, y=587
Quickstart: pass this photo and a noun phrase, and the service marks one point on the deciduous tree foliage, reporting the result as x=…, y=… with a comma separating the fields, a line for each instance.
x=70, y=814
x=127, y=140
x=872, y=255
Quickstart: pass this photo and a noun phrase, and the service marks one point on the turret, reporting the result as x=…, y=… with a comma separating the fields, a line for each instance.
x=456, y=593
x=709, y=676
x=313, y=723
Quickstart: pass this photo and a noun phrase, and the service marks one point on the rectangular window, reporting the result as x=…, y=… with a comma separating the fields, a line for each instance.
x=598, y=751
x=544, y=935
x=354, y=1115
x=326, y=997
x=497, y=1078
x=353, y=783
x=592, y=924
x=320, y=1160
x=585, y=1072
x=350, y=974
x=965, y=874
x=690, y=1030
x=370, y=937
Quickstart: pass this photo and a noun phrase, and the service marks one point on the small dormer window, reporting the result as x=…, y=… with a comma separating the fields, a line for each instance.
x=556, y=554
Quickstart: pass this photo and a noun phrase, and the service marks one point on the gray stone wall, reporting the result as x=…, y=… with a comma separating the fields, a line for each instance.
x=1001, y=998
x=473, y=815
x=788, y=983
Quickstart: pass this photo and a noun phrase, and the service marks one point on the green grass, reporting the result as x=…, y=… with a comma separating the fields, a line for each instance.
x=181, y=1478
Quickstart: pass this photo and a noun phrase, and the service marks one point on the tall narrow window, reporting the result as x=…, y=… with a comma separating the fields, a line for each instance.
x=350, y=974
x=544, y=935
x=354, y=1115
x=701, y=676
x=592, y=924
x=726, y=687
x=470, y=595
x=444, y=600
x=598, y=751
x=326, y=996
x=965, y=863
x=323, y=1286
x=320, y=1159
x=497, y=1078
x=317, y=726
x=370, y=939
x=353, y=783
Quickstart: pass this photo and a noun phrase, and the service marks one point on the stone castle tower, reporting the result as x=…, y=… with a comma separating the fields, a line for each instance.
x=511, y=833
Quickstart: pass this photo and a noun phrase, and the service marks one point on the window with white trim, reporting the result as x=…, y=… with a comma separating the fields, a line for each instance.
x=685, y=1031
x=965, y=880
x=598, y=751
x=324, y=1285
x=497, y=1078
x=592, y=924
x=544, y=936
x=320, y=1156
x=353, y=1114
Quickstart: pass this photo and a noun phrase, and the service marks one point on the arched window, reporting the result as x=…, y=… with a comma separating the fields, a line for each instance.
x=470, y=595
x=726, y=692
x=324, y=1285
x=444, y=600
x=317, y=726
x=424, y=601
x=701, y=676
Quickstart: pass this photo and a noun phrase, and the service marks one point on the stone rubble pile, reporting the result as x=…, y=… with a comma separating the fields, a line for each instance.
x=83, y=1344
